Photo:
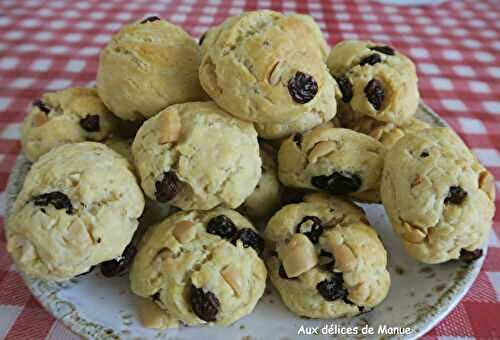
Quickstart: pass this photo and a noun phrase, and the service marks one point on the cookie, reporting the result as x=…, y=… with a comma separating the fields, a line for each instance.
x=147, y=66
x=199, y=267
x=266, y=198
x=69, y=116
x=78, y=207
x=328, y=262
x=386, y=133
x=254, y=68
x=439, y=199
x=375, y=80
x=335, y=160
x=196, y=156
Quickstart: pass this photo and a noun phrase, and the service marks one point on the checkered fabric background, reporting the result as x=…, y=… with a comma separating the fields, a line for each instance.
x=50, y=45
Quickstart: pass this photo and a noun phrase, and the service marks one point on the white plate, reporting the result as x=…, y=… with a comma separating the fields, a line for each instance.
x=420, y=296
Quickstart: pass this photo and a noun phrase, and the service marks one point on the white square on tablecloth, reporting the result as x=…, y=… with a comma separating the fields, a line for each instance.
x=8, y=315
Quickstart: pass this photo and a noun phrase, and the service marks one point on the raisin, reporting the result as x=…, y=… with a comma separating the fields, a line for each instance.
x=456, y=195
x=150, y=19
x=205, y=304
x=302, y=87
x=374, y=91
x=383, y=49
x=345, y=88
x=311, y=227
x=250, y=238
x=167, y=187
x=297, y=139
x=470, y=256
x=424, y=154
x=120, y=265
x=338, y=183
x=221, y=226
x=57, y=199
x=332, y=289
x=90, y=123
x=156, y=297
x=201, y=39
x=41, y=106
x=372, y=59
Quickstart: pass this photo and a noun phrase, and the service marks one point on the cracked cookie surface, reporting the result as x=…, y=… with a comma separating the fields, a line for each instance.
x=335, y=160
x=146, y=67
x=196, y=156
x=253, y=67
x=78, y=207
x=328, y=261
x=439, y=199
x=218, y=276
x=68, y=116
x=375, y=80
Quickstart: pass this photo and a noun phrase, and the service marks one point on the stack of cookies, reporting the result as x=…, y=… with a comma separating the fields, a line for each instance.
x=258, y=124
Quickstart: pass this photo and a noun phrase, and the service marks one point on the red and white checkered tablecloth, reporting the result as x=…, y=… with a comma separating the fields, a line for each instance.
x=50, y=45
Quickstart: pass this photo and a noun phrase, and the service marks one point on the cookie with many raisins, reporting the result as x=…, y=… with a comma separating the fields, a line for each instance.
x=375, y=80
x=328, y=262
x=200, y=267
x=439, y=199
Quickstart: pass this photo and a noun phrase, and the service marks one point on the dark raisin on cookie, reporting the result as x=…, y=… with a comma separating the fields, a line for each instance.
x=372, y=59
x=297, y=139
x=424, y=154
x=221, y=226
x=150, y=19
x=345, y=88
x=333, y=288
x=375, y=93
x=55, y=198
x=312, y=227
x=156, y=297
x=41, y=106
x=470, y=256
x=201, y=39
x=205, y=304
x=90, y=123
x=166, y=187
x=456, y=195
x=338, y=183
x=302, y=87
x=119, y=265
x=250, y=238
x=384, y=49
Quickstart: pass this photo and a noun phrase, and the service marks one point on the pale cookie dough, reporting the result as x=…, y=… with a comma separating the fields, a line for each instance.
x=439, y=199
x=78, y=207
x=329, y=262
x=334, y=160
x=375, y=80
x=386, y=133
x=314, y=34
x=147, y=66
x=263, y=67
x=196, y=156
x=68, y=116
x=266, y=198
x=199, y=267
